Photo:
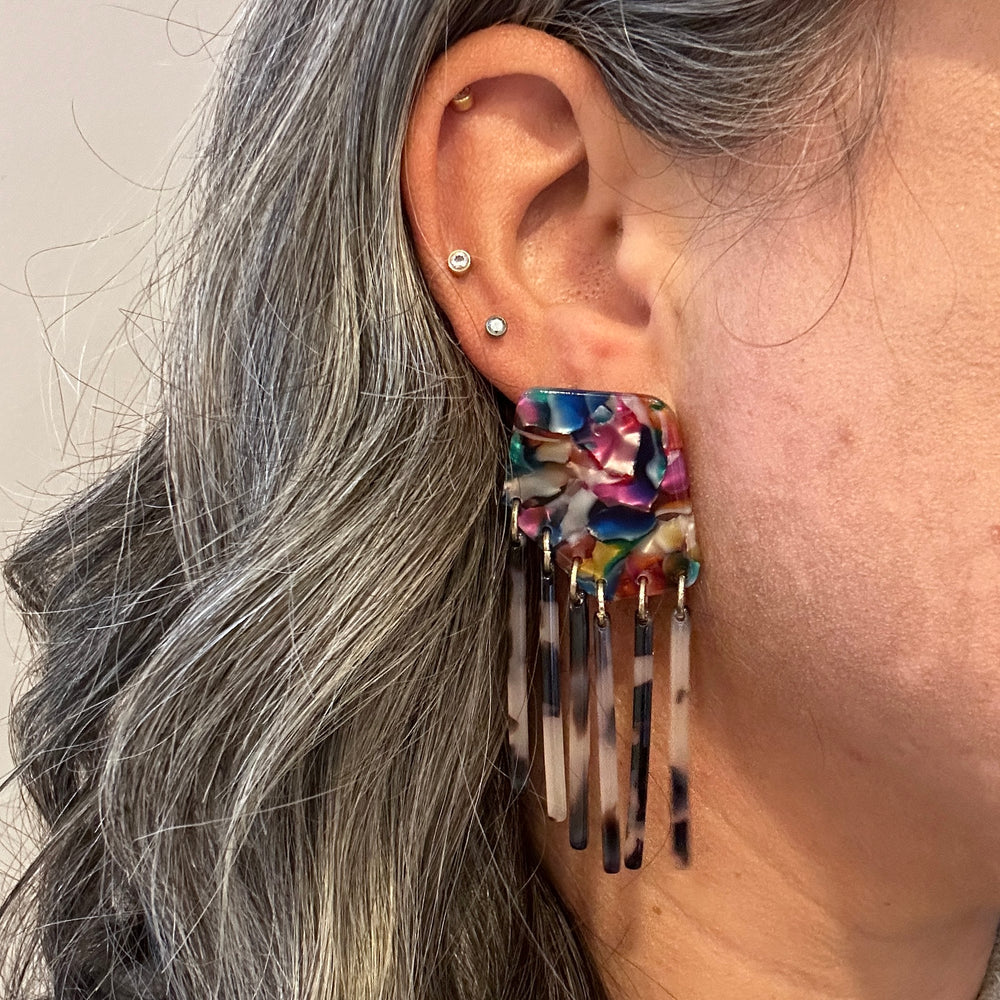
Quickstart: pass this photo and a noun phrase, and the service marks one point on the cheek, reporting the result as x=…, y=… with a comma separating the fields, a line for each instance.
x=848, y=518
x=839, y=390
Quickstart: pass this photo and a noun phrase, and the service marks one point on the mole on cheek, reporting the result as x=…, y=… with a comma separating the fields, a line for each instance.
x=995, y=534
x=846, y=436
x=843, y=442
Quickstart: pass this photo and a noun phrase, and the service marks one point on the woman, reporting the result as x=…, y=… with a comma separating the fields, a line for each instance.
x=267, y=736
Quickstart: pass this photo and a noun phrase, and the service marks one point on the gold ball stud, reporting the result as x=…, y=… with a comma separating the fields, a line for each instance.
x=462, y=101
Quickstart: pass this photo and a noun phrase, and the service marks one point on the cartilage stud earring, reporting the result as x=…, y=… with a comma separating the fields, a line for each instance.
x=462, y=101
x=459, y=261
x=496, y=326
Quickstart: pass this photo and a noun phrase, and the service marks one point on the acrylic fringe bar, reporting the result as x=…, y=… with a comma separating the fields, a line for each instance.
x=552, y=725
x=517, y=672
x=579, y=747
x=680, y=653
x=579, y=732
x=642, y=717
x=607, y=745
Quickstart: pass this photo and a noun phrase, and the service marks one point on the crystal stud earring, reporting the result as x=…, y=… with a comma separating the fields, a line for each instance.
x=496, y=326
x=459, y=261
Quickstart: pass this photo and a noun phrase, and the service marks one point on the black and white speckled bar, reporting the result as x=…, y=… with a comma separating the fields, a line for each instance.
x=607, y=745
x=680, y=652
x=517, y=672
x=579, y=726
x=642, y=714
x=552, y=726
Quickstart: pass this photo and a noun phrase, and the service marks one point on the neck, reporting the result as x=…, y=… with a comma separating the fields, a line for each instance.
x=800, y=885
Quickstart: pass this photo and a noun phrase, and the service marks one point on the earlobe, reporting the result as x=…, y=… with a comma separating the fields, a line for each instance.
x=536, y=182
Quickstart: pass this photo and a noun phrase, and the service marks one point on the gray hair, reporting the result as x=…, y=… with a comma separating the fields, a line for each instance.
x=265, y=732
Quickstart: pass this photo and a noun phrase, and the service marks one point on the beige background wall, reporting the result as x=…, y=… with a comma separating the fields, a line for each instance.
x=96, y=99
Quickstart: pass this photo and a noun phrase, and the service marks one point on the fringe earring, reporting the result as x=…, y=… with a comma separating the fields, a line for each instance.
x=598, y=481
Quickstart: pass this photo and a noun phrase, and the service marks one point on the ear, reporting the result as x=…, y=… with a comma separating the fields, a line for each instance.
x=569, y=214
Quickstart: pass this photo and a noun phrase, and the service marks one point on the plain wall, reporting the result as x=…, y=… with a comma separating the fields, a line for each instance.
x=96, y=104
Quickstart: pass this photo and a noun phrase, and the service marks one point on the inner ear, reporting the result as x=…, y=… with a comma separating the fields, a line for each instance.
x=564, y=194
x=520, y=135
x=530, y=105
x=567, y=250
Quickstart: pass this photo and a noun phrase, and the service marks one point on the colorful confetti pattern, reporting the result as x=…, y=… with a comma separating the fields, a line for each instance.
x=605, y=472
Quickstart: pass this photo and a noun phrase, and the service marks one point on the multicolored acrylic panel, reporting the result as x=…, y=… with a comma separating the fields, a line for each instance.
x=605, y=472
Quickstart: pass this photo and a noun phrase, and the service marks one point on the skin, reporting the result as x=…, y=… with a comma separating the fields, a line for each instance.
x=842, y=426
